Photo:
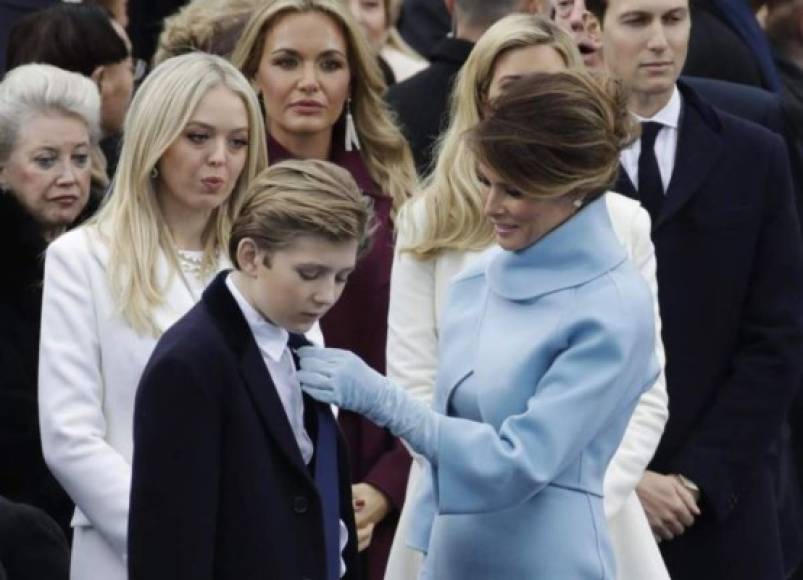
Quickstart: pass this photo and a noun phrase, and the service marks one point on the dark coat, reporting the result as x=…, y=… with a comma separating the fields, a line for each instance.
x=424, y=23
x=146, y=22
x=421, y=102
x=759, y=106
x=730, y=278
x=10, y=12
x=359, y=323
x=32, y=545
x=24, y=476
x=717, y=50
x=219, y=488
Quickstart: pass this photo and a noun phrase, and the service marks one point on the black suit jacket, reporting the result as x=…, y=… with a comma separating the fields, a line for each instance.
x=421, y=102
x=730, y=281
x=219, y=488
x=717, y=51
x=759, y=106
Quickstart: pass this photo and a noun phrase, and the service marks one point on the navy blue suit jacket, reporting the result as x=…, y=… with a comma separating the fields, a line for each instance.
x=730, y=281
x=219, y=488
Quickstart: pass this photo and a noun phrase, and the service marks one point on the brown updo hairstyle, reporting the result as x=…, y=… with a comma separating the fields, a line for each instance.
x=556, y=134
x=298, y=198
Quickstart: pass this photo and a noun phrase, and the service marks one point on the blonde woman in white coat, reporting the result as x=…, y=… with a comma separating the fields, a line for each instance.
x=193, y=142
x=443, y=229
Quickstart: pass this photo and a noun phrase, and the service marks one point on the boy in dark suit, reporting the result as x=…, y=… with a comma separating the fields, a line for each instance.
x=236, y=474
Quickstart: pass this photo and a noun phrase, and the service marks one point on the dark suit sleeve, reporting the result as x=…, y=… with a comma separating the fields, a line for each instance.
x=174, y=488
x=739, y=429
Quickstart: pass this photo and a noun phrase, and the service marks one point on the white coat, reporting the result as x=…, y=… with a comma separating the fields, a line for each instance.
x=90, y=364
x=418, y=293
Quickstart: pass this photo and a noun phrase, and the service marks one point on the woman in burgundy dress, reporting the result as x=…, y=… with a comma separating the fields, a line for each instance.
x=321, y=92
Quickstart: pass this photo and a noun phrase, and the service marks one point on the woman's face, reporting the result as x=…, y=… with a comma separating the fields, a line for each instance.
x=518, y=219
x=116, y=84
x=49, y=170
x=201, y=167
x=518, y=62
x=304, y=77
x=300, y=283
x=373, y=19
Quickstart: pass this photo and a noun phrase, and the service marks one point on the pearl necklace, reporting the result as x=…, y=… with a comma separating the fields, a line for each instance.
x=191, y=262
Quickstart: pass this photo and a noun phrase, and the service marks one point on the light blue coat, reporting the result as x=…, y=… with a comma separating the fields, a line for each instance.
x=556, y=342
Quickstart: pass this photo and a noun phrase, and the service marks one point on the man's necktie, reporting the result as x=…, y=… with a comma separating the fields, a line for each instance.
x=650, y=186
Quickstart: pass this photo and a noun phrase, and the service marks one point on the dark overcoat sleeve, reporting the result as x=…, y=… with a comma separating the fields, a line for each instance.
x=174, y=492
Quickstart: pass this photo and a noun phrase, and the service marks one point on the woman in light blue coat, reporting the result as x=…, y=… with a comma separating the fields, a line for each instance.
x=546, y=345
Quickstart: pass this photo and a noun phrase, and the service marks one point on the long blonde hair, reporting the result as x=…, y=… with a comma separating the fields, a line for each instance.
x=452, y=196
x=384, y=149
x=131, y=222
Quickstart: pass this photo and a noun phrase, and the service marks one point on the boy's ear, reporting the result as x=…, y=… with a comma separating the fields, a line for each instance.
x=248, y=257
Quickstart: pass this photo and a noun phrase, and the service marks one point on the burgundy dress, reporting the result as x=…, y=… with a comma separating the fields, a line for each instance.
x=358, y=322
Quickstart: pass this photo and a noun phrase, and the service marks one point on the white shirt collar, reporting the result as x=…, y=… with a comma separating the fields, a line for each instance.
x=669, y=116
x=271, y=339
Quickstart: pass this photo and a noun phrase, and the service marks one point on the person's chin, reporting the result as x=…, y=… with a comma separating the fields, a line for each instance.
x=301, y=326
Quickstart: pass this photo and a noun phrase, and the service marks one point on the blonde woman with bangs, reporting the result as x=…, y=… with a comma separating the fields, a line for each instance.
x=193, y=142
x=444, y=230
x=322, y=93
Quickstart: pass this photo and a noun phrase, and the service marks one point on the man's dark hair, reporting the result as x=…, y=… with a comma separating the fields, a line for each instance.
x=74, y=37
x=597, y=8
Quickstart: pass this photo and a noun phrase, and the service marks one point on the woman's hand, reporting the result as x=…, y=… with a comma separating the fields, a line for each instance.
x=370, y=507
x=339, y=377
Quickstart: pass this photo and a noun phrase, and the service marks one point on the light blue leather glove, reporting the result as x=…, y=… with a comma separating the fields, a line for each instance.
x=341, y=378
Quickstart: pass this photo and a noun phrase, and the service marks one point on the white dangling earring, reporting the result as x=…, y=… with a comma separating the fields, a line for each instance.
x=352, y=140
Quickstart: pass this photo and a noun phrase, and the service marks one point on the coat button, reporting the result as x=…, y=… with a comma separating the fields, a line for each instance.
x=300, y=504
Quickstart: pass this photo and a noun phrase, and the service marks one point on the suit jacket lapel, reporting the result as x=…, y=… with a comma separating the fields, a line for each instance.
x=266, y=399
x=699, y=147
x=259, y=384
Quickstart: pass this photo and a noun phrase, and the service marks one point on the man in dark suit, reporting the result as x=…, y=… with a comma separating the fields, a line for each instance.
x=730, y=277
x=422, y=101
x=236, y=474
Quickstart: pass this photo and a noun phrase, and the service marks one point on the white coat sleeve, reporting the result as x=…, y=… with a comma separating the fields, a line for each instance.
x=71, y=394
x=652, y=411
x=412, y=347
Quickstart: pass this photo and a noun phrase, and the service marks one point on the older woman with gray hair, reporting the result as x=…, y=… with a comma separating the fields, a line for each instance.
x=49, y=121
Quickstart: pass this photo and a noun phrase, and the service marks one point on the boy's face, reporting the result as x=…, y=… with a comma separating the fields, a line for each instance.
x=302, y=282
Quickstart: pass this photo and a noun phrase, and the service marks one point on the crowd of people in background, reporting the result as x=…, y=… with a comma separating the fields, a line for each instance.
x=401, y=289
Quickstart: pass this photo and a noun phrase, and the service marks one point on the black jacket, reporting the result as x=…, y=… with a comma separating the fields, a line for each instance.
x=730, y=278
x=219, y=489
x=422, y=101
x=24, y=476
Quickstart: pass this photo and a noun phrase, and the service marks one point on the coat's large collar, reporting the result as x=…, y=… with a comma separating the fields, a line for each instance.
x=579, y=250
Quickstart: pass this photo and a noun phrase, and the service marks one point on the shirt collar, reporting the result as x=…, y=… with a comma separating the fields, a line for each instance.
x=270, y=338
x=669, y=116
